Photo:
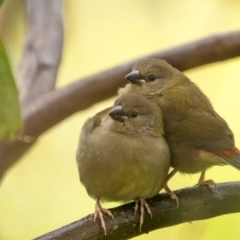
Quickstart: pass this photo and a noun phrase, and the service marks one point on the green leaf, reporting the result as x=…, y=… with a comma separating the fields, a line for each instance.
x=10, y=113
x=1, y=1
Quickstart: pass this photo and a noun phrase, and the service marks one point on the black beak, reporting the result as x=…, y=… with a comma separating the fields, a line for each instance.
x=134, y=77
x=117, y=113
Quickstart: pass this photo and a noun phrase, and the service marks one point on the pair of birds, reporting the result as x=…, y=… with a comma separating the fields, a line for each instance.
x=160, y=119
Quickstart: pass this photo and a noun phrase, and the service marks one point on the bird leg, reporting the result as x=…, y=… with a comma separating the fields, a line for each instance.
x=168, y=190
x=143, y=204
x=172, y=195
x=202, y=180
x=99, y=211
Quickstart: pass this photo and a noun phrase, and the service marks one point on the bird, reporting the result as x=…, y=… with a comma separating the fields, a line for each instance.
x=198, y=137
x=122, y=154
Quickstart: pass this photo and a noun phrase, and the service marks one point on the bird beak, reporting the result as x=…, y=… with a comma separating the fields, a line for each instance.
x=117, y=114
x=134, y=77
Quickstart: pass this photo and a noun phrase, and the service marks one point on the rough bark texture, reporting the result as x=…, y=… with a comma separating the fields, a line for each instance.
x=196, y=203
x=43, y=49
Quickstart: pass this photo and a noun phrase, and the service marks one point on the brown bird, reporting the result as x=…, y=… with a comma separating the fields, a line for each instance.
x=197, y=136
x=122, y=154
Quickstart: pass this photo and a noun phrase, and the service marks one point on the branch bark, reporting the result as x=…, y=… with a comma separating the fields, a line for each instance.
x=40, y=62
x=196, y=203
x=43, y=48
x=55, y=106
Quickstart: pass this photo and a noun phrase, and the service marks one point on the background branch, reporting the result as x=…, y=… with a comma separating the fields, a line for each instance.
x=196, y=203
x=39, y=66
x=43, y=48
x=55, y=106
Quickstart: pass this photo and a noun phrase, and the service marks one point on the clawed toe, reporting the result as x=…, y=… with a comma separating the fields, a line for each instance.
x=143, y=204
x=208, y=182
x=203, y=182
x=99, y=211
x=172, y=195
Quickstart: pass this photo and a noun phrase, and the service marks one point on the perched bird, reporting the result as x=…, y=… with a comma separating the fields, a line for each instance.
x=122, y=154
x=197, y=136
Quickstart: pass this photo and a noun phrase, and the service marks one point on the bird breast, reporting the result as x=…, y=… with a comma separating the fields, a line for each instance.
x=121, y=167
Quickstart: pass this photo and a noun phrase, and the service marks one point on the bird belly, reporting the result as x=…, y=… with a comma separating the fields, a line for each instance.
x=193, y=160
x=126, y=170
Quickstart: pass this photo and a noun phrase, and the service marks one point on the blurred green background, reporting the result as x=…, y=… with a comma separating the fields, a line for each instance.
x=42, y=191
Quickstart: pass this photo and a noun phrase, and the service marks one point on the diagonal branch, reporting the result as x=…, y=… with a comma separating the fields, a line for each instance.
x=43, y=48
x=50, y=109
x=196, y=203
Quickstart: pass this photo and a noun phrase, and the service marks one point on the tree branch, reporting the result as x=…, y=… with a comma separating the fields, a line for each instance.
x=43, y=48
x=38, y=70
x=55, y=106
x=196, y=203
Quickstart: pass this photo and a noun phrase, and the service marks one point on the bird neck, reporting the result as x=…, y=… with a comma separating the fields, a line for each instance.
x=184, y=94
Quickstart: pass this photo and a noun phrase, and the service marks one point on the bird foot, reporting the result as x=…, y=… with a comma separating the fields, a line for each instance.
x=99, y=211
x=142, y=204
x=208, y=182
x=172, y=195
x=202, y=181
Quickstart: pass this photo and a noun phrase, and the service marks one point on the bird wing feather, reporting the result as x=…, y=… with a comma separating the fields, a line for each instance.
x=200, y=129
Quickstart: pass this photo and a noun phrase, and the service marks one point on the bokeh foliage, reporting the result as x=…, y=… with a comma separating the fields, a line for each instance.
x=10, y=113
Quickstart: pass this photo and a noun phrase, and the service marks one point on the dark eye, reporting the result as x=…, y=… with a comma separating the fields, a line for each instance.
x=151, y=77
x=134, y=114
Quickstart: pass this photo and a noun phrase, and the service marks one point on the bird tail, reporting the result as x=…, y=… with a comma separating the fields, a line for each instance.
x=230, y=156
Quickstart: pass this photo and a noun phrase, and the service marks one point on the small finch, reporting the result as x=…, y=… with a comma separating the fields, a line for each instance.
x=197, y=136
x=122, y=154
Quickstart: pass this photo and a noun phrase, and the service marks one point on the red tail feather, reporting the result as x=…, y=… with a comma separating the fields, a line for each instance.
x=227, y=152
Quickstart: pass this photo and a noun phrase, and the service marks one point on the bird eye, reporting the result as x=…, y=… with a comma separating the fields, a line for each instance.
x=151, y=77
x=134, y=114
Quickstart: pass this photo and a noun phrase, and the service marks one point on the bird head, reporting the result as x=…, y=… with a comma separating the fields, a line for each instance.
x=149, y=76
x=134, y=113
